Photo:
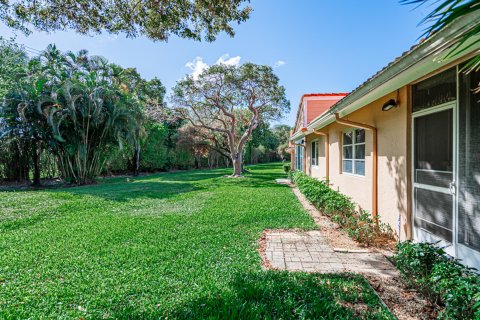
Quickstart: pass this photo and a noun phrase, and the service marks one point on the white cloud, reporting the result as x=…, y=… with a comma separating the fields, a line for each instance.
x=279, y=63
x=197, y=66
x=226, y=60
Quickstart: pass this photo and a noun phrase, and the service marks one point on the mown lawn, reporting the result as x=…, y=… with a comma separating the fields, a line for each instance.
x=174, y=245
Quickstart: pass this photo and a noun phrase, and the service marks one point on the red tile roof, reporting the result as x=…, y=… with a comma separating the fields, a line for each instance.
x=324, y=94
x=306, y=95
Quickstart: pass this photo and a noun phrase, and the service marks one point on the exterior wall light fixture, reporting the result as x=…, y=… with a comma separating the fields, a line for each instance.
x=389, y=105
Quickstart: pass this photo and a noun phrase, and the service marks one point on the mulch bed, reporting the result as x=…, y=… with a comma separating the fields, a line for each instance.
x=404, y=302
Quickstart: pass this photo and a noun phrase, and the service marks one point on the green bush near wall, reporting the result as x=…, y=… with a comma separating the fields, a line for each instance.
x=443, y=279
x=340, y=208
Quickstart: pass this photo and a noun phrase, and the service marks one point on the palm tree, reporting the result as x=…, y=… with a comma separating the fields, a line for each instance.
x=443, y=15
x=80, y=107
x=86, y=111
x=88, y=117
x=25, y=125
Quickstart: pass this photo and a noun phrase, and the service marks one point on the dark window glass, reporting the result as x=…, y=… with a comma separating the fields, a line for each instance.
x=435, y=90
x=347, y=137
x=348, y=152
x=359, y=136
x=360, y=151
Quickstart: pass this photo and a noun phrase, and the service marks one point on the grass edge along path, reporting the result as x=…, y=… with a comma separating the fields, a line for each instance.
x=174, y=245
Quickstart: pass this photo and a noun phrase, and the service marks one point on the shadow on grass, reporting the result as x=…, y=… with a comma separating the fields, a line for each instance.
x=126, y=191
x=156, y=186
x=160, y=186
x=165, y=185
x=78, y=199
x=258, y=175
x=282, y=295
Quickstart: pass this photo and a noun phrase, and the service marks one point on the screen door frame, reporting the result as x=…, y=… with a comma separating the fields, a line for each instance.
x=420, y=234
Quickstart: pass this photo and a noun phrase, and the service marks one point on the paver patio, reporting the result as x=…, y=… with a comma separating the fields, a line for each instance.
x=310, y=252
x=329, y=250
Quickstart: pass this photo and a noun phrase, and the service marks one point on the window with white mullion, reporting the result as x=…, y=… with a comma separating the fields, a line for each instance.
x=314, y=153
x=353, y=152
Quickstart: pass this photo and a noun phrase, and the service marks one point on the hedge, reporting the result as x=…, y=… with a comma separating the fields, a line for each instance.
x=340, y=208
x=443, y=279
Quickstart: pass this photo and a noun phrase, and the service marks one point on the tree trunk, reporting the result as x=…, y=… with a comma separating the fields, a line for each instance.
x=237, y=165
x=36, y=164
x=237, y=168
x=238, y=156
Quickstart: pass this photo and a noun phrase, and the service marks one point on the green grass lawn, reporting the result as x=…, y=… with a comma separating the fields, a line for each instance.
x=173, y=245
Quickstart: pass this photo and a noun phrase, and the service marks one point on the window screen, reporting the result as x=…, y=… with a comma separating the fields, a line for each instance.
x=435, y=91
x=469, y=162
x=353, y=152
x=433, y=212
x=434, y=149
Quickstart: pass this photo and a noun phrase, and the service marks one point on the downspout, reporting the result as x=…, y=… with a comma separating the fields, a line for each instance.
x=327, y=157
x=374, y=160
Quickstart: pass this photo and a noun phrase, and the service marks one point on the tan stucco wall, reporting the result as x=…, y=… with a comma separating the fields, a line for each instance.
x=392, y=161
x=319, y=170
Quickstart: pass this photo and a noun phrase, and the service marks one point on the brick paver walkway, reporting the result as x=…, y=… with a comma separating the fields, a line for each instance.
x=310, y=252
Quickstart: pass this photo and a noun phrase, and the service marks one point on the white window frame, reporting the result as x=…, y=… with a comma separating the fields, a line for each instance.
x=314, y=153
x=299, y=155
x=354, y=144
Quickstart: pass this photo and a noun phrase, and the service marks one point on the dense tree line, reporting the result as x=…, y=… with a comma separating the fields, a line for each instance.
x=72, y=108
x=76, y=116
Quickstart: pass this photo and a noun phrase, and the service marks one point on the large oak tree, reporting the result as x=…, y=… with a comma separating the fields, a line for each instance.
x=232, y=101
x=156, y=19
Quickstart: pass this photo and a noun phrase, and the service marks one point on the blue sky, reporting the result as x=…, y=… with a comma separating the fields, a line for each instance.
x=315, y=45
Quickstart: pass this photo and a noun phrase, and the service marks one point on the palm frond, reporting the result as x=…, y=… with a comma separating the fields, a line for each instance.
x=445, y=12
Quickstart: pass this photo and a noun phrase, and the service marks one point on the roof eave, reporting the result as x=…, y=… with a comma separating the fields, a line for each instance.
x=299, y=135
x=401, y=72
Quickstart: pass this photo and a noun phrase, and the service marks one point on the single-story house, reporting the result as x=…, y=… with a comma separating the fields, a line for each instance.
x=310, y=107
x=405, y=144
